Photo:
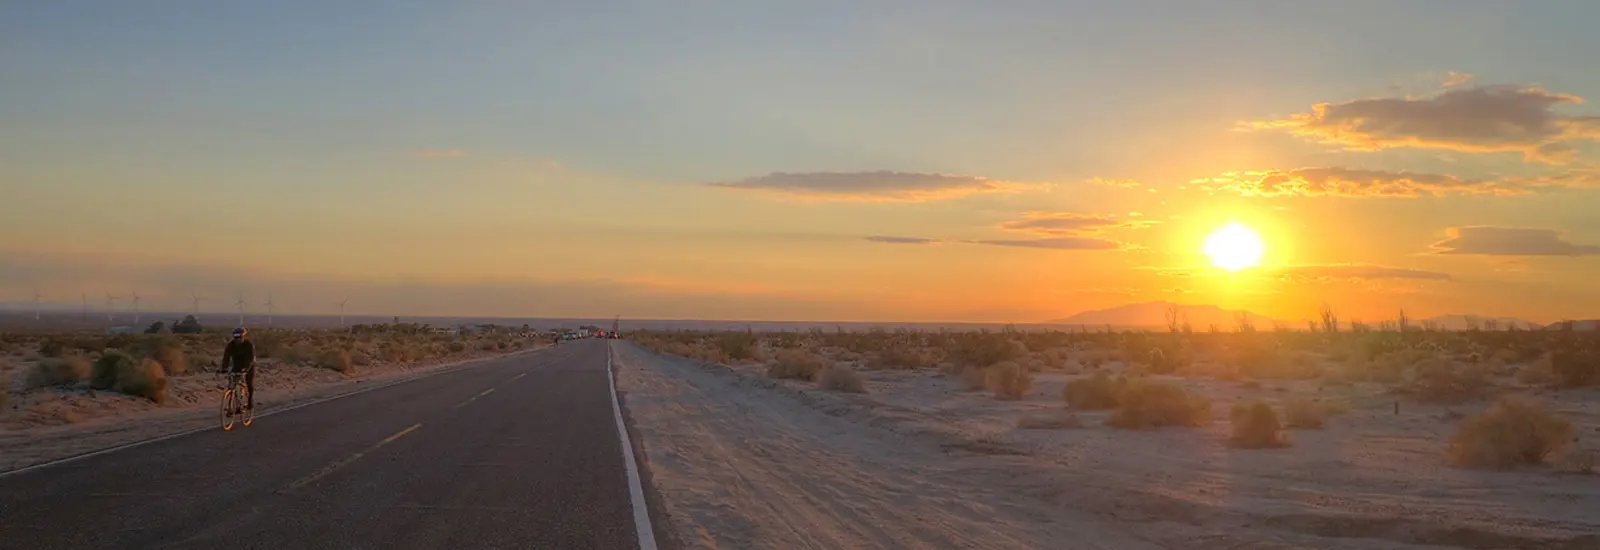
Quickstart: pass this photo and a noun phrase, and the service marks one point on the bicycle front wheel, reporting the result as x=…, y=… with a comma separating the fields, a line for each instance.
x=230, y=403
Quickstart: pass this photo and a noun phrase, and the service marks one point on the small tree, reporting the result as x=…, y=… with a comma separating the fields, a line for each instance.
x=157, y=327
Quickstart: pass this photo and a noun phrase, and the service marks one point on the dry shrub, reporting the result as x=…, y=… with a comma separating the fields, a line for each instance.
x=1305, y=414
x=103, y=375
x=147, y=380
x=1538, y=373
x=337, y=360
x=797, y=364
x=901, y=358
x=838, y=378
x=58, y=371
x=1576, y=368
x=1008, y=380
x=1150, y=404
x=172, y=359
x=1099, y=392
x=298, y=353
x=1054, y=420
x=974, y=378
x=1442, y=381
x=1255, y=426
x=1514, y=431
x=458, y=347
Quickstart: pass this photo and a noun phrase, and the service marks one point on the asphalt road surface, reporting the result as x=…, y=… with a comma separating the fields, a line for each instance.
x=520, y=452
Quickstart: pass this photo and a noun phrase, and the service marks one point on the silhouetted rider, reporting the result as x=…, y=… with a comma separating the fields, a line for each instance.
x=240, y=355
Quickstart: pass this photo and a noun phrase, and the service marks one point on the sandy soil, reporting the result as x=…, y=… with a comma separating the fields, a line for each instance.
x=743, y=461
x=48, y=424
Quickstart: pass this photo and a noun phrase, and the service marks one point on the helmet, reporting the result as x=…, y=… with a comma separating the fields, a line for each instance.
x=240, y=332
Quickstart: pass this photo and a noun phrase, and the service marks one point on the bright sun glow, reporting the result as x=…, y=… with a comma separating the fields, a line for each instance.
x=1234, y=247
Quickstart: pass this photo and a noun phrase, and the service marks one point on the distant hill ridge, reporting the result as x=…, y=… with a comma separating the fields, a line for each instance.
x=1202, y=316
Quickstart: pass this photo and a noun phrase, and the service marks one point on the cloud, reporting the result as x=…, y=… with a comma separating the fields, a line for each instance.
x=1355, y=272
x=440, y=153
x=1356, y=182
x=1057, y=243
x=1111, y=182
x=883, y=186
x=1453, y=79
x=900, y=240
x=1475, y=119
x=1060, y=223
x=1308, y=273
x=1509, y=241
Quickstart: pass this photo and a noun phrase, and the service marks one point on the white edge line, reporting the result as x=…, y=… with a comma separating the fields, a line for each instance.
x=158, y=439
x=641, y=510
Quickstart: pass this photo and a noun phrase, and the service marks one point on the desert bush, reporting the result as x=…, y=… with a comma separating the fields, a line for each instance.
x=51, y=347
x=974, y=378
x=1150, y=404
x=458, y=347
x=1514, y=431
x=147, y=380
x=172, y=359
x=299, y=353
x=1576, y=368
x=1304, y=413
x=1054, y=420
x=983, y=349
x=900, y=358
x=738, y=346
x=1098, y=392
x=797, y=364
x=58, y=371
x=839, y=378
x=1255, y=426
x=1441, y=381
x=337, y=360
x=1008, y=380
x=103, y=375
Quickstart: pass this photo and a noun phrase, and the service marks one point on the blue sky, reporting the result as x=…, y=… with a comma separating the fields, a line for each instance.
x=312, y=136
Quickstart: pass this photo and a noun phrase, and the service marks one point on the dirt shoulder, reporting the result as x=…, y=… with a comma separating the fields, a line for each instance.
x=744, y=461
x=54, y=423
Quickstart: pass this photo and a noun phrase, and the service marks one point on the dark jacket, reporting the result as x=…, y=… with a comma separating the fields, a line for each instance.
x=239, y=354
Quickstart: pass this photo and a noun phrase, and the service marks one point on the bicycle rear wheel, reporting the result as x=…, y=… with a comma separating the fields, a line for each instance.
x=230, y=403
x=244, y=401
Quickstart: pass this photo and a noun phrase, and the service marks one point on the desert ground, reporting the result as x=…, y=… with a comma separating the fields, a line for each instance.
x=1260, y=440
x=71, y=392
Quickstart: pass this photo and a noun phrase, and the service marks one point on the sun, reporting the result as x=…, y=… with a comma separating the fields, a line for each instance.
x=1234, y=247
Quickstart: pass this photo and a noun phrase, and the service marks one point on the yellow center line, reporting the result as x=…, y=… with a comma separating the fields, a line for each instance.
x=352, y=458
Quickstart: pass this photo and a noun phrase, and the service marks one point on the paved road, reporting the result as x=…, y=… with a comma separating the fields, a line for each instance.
x=517, y=453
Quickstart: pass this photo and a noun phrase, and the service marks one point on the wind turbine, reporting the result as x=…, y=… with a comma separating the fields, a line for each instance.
x=238, y=302
x=86, y=307
x=111, y=307
x=36, y=298
x=341, y=310
x=269, y=309
x=134, y=305
x=197, y=299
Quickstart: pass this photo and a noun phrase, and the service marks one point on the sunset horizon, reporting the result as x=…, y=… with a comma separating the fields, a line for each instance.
x=836, y=162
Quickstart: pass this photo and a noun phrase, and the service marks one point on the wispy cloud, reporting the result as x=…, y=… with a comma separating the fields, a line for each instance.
x=1113, y=182
x=1304, y=273
x=1509, y=241
x=440, y=153
x=1356, y=182
x=873, y=186
x=1062, y=223
x=1502, y=118
x=1453, y=79
x=886, y=239
x=1057, y=243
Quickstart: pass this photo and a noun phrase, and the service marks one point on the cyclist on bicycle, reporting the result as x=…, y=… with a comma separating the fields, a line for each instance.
x=240, y=355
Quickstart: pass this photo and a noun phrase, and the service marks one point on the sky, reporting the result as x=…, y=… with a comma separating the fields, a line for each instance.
x=931, y=160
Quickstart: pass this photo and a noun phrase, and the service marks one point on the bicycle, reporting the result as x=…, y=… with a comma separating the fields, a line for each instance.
x=235, y=394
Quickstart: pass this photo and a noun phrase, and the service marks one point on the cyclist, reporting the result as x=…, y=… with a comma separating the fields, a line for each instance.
x=240, y=355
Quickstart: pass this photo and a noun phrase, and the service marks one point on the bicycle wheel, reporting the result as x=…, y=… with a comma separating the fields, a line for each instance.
x=229, y=403
x=249, y=413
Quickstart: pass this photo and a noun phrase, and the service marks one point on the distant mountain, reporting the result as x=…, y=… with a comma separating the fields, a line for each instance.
x=1154, y=314
x=1586, y=324
x=1465, y=321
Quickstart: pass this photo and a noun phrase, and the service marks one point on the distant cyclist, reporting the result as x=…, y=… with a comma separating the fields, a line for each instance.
x=240, y=355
